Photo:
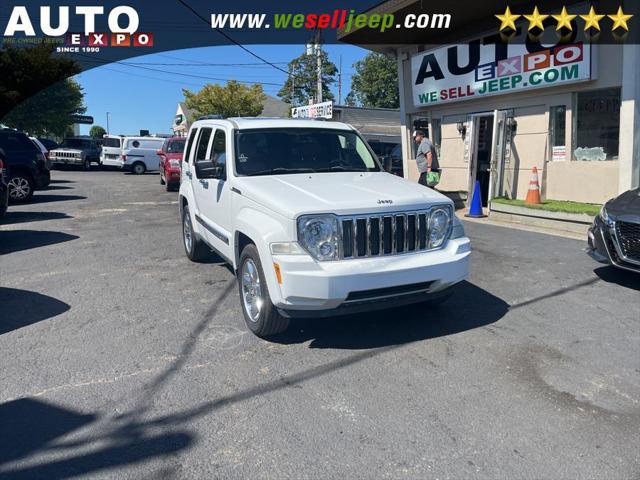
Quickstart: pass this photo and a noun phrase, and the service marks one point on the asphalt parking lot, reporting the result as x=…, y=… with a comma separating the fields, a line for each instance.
x=122, y=359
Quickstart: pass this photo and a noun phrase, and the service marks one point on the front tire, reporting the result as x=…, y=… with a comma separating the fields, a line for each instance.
x=260, y=315
x=87, y=165
x=21, y=187
x=195, y=248
x=162, y=181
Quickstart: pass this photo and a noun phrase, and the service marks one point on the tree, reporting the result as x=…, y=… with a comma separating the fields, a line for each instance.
x=97, y=132
x=50, y=111
x=27, y=71
x=375, y=83
x=232, y=100
x=302, y=82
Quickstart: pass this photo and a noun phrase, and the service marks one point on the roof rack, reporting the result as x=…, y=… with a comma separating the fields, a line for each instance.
x=212, y=117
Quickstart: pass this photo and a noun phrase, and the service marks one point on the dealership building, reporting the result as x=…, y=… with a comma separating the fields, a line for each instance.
x=494, y=111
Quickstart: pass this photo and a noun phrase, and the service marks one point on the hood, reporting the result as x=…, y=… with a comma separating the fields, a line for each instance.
x=342, y=193
x=626, y=204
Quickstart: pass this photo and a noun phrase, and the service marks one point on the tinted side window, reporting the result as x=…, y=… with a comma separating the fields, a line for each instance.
x=12, y=142
x=192, y=136
x=219, y=150
x=203, y=143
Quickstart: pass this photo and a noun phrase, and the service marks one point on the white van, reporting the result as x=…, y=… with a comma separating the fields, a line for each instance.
x=111, y=150
x=139, y=154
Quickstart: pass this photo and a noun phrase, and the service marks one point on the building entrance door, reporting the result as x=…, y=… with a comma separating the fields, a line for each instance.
x=480, y=160
x=487, y=141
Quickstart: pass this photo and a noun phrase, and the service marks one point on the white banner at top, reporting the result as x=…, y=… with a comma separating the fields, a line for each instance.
x=315, y=110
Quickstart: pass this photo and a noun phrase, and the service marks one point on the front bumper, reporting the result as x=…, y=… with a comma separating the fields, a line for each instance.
x=66, y=161
x=366, y=283
x=602, y=247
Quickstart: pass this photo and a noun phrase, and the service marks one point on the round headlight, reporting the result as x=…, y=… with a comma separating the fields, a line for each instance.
x=438, y=227
x=319, y=236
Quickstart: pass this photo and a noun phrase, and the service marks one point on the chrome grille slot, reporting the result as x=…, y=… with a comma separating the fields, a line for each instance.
x=422, y=231
x=387, y=234
x=347, y=238
x=361, y=237
x=374, y=236
x=411, y=232
x=400, y=233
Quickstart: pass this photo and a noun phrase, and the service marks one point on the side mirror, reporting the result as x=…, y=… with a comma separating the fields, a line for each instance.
x=159, y=152
x=387, y=163
x=208, y=169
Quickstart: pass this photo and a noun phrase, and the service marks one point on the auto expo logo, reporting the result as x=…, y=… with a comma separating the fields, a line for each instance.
x=123, y=22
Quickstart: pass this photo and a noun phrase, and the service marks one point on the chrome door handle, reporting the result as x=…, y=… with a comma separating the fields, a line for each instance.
x=204, y=183
x=188, y=173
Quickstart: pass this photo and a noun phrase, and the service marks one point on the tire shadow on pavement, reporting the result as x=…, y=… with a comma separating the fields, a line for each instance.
x=13, y=217
x=40, y=307
x=470, y=307
x=13, y=241
x=39, y=198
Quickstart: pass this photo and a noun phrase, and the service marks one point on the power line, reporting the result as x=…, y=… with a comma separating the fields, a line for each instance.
x=218, y=79
x=221, y=32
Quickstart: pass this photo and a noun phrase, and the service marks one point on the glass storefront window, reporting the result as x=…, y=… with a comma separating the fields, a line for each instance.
x=597, y=125
x=557, y=132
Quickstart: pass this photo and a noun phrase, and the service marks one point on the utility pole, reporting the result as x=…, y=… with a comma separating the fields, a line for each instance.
x=340, y=82
x=107, y=123
x=319, y=68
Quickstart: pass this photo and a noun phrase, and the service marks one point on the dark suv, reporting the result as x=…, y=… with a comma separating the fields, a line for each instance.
x=25, y=165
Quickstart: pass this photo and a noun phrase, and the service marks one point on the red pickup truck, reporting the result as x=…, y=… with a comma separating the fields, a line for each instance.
x=170, y=158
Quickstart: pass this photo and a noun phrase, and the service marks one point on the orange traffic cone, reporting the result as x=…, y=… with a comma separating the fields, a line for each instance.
x=533, y=195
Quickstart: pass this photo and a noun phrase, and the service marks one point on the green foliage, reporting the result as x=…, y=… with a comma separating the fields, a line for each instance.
x=303, y=76
x=97, y=131
x=375, y=83
x=27, y=71
x=50, y=111
x=232, y=100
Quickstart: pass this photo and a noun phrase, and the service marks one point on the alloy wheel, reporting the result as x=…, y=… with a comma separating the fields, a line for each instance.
x=251, y=290
x=19, y=188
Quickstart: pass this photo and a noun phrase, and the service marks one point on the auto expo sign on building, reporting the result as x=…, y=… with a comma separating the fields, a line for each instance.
x=465, y=72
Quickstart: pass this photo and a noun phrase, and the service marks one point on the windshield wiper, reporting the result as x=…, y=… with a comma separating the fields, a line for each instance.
x=339, y=168
x=275, y=171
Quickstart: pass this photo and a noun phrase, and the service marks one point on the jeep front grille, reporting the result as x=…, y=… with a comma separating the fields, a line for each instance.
x=628, y=234
x=386, y=234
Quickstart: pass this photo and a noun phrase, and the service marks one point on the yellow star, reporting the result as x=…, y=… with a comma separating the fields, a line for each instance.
x=507, y=20
x=592, y=19
x=535, y=19
x=620, y=19
x=564, y=19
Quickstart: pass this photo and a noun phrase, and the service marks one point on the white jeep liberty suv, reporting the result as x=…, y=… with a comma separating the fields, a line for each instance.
x=310, y=222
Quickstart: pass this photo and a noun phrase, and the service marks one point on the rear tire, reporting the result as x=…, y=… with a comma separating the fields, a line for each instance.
x=21, y=187
x=196, y=249
x=138, y=168
x=260, y=315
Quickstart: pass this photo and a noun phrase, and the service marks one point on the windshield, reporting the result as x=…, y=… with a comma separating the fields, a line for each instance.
x=75, y=143
x=299, y=150
x=111, y=142
x=175, y=146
